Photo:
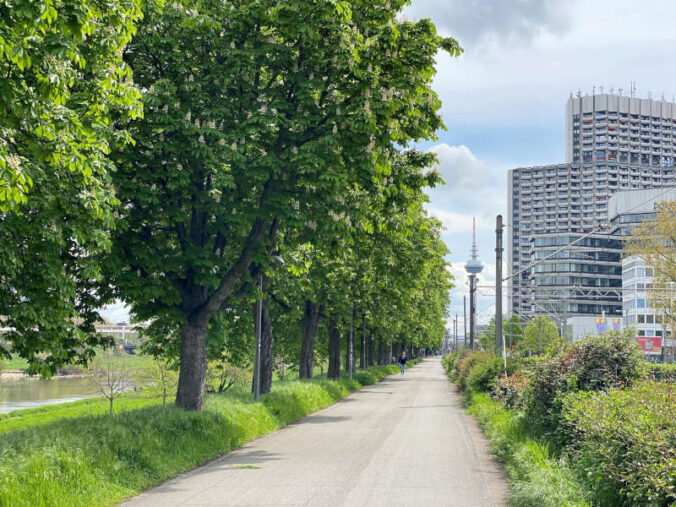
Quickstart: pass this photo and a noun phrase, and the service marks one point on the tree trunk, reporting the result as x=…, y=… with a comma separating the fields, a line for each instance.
x=193, y=369
x=383, y=352
x=334, y=351
x=309, y=327
x=371, y=360
x=363, y=347
x=267, y=349
x=110, y=408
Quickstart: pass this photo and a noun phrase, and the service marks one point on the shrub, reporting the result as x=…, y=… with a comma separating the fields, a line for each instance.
x=663, y=372
x=595, y=364
x=510, y=391
x=483, y=376
x=625, y=441
x=466, y=363
x=449, y=360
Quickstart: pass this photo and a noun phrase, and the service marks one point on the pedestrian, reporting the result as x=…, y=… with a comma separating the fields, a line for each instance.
x=402, y=362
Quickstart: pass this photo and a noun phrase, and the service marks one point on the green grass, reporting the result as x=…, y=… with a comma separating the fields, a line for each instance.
x=48, y=456
x=538, y=476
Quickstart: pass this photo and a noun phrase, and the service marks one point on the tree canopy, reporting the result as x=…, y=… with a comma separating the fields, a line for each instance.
x=63, y=87
x=256, y=124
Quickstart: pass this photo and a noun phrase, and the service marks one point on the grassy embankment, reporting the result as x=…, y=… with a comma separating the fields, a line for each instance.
x=75, y=454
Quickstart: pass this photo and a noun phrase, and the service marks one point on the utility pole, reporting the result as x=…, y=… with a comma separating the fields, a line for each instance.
x=455, y=332
x=499, y=342
x=464, y=319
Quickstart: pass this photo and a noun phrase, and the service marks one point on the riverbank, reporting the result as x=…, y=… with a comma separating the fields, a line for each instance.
x=96, y=459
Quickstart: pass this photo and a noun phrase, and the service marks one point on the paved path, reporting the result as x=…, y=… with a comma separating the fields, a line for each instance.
x=405, y=441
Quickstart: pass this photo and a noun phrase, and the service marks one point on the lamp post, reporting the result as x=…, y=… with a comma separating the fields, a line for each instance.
x=259, y=329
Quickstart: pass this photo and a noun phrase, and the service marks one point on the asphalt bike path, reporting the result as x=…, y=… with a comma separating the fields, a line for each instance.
x=405, y=441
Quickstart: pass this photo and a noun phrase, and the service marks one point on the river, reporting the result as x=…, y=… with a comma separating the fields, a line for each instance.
x=30, y=393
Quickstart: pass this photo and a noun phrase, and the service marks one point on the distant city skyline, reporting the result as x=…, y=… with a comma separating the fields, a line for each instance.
x=504, y=99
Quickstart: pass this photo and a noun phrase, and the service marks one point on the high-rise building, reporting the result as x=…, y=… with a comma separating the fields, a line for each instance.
x=554, y=205
x=620, y=129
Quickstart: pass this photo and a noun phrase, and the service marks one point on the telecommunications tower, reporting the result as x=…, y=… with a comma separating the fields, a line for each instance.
x=473, y=268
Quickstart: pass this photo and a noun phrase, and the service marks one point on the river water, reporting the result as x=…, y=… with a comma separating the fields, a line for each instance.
x=30, y=393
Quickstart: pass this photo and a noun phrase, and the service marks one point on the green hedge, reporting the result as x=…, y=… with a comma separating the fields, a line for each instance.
x=101, y=460
x=625, y=441
x=597, y=363
x=663, y=372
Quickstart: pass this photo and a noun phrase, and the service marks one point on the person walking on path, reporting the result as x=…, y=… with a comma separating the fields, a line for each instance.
x=402, y=362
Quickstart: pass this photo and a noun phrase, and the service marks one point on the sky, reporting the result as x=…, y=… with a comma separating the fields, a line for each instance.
x=504, y=99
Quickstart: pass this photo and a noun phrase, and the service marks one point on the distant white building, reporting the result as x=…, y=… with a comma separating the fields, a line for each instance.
x=626, y=211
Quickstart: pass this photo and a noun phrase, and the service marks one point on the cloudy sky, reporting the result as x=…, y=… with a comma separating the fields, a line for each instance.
x=504, y=98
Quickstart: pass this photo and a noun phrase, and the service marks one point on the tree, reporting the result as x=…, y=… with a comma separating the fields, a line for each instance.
x=539, y=334
x=111, y=376
x=487, y=338
x=513, y=332
x=254, y=122
x=655, y=242
x=63, y=88
x=162, y=375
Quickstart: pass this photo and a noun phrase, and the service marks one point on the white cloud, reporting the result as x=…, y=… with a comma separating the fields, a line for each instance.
x=494, y=21
x=459, y=166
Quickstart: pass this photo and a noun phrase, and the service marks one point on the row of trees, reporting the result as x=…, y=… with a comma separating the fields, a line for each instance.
x=268, y=128
x=536, y=336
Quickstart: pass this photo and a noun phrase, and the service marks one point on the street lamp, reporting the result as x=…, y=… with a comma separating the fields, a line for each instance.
x=259, y=327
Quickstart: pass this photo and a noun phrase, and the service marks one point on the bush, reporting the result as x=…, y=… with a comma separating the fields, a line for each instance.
x=466, y=364
x=484, y=375
x=595, y=364
x=510, y=391
x=449, y=360
x=663, y=372
x=625, y=441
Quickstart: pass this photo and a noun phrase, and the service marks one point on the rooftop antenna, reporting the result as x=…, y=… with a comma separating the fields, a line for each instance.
x=579, y=93
x=619, y=90
x=594, y=90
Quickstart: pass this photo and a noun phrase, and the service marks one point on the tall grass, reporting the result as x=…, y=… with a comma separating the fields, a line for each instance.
x=538, y=476
x=96, y=459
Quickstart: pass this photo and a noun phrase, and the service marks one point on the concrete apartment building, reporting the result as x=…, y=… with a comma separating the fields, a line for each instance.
x=613, y=143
